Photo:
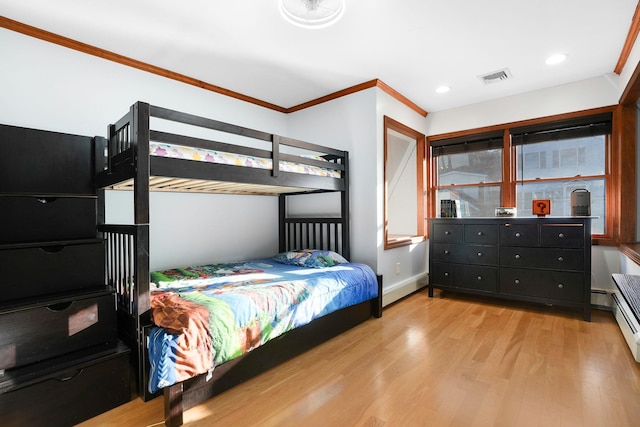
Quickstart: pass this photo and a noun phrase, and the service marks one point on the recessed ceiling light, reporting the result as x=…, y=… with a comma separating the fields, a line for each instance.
x=443, y=89
x=556, y=59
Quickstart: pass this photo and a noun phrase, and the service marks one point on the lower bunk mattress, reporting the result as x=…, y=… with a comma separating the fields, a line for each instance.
x=210, y=314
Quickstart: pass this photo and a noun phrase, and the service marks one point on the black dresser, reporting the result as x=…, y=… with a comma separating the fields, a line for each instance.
x=60, y=359
x=543, y=260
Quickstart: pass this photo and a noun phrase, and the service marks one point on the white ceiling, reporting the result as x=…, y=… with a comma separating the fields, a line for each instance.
x=413, y=46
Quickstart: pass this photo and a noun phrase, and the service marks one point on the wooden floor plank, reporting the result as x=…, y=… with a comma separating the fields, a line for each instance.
x=451, y=360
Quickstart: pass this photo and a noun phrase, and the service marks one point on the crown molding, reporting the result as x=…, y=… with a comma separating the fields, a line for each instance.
x=50, y=37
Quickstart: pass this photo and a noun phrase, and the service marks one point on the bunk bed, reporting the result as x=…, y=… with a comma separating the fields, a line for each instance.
x=145, y=153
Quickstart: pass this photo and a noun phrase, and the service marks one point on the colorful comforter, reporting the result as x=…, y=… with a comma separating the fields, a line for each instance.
x=211, y=314
x=221, y=157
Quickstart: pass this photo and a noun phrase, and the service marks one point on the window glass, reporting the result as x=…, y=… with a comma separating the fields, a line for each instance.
x=465, y=172
x=559, y=192
x=475, y=201
x=471, y=167
x=559, y=170
x=561, y=159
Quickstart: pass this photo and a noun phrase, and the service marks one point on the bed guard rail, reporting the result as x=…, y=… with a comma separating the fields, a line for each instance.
x=129, y=137
x=127, y=265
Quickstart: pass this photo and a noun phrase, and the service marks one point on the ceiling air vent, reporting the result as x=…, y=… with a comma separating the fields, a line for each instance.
x=495, y=76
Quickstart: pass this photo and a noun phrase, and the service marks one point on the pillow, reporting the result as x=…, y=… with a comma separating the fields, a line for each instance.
x=311, y=258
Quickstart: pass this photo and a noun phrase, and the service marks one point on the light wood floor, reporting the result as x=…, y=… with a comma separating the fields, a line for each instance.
x=446, y=361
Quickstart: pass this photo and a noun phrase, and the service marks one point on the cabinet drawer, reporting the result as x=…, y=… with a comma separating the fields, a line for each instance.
x=519, y=234
x=51, y=269
x=39, y=332
x=69, y=395
x=442, y=273
x=41, y=219
x=465, y=254
x=544, y=258
x=45, y=162
x=477, y=278
x=562, y=235
x=545, y=284
x=447, y=232
x=486, y=234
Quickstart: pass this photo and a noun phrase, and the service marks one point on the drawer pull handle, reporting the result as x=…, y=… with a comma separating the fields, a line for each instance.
x=62, y=306
x=518, y=234
x=517, y=281
x=561, y=235
x=560, y=286
x=68, y=377
x=560, y=259
x=480, y=233
x=45, y=200
x=479, y=277
x=446, y=252
x=447, y=232
x=479, y=253
x=446, y=274
x=52, y=249
x=517, y=256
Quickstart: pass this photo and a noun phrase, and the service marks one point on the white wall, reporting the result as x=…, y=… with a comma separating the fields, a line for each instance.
x=412, y=259
x=348, y=123
x=45, y=86
x=582, y=95
x=355, y=123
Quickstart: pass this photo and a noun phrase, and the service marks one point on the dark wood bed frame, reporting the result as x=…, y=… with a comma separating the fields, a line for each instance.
x=128, y=165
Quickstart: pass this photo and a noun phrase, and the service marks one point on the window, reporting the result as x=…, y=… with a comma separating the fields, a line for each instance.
x=403, y=185
x=513, y=165
x=575, y=152
x=466, y=171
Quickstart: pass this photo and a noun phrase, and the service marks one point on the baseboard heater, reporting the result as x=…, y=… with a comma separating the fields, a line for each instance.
x=628, y=323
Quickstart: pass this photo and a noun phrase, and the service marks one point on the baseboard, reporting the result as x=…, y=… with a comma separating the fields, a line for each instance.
x=402, y=289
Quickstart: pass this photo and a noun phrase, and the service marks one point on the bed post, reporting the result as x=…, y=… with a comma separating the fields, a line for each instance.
x=140, y=130
x=282, y=226
x=344, y=206
x=140, y=143
x=173, y=405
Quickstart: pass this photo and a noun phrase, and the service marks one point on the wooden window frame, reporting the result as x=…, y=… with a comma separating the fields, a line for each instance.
x=421, y=182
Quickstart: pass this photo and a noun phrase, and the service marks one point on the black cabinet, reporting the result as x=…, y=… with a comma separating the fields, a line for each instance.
x=545, y=260
x=60, y=359
x=66, y=390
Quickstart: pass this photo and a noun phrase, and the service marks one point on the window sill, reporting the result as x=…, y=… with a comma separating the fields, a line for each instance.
x=632, y=251
x=396, y=241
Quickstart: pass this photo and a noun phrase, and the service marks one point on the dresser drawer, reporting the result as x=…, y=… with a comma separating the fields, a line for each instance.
x=69, y=394
x=519, y=234
x=543, y=258
x=442, y=273
x=51, y=269
x=447, y=232
x=43, y=162
x=486, y=234
x=544, y=284
x=41, y=219
x=465, y=254
x=562, y=235
x=38, y=332
x=478, y=278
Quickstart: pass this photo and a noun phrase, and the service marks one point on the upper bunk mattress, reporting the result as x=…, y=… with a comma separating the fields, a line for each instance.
x=221, y=157
x=210, y=314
